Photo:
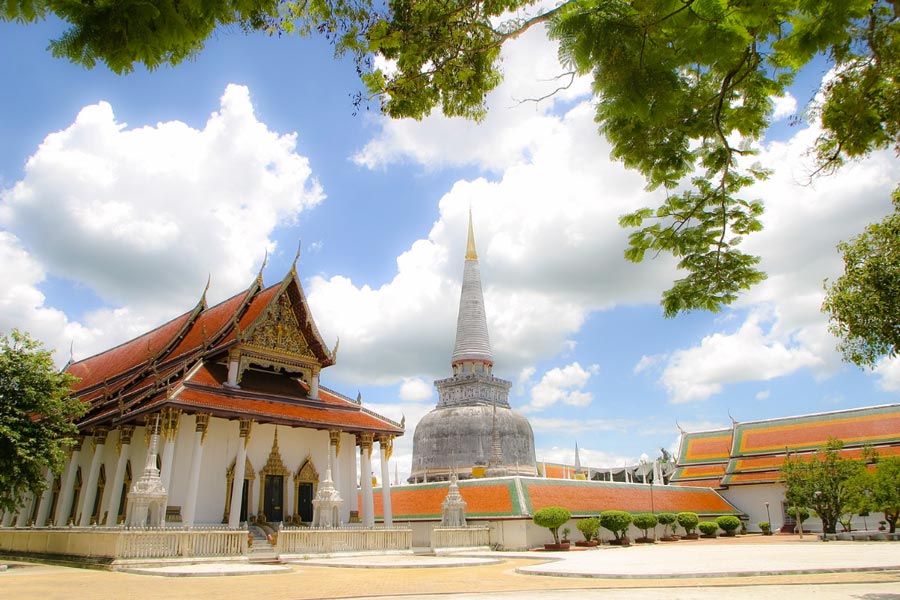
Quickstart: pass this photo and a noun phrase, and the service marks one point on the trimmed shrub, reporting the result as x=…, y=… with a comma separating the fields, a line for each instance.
x=728, y=523
x=645, y=522
x=708, y=528
x=552, y=517
x=766, y=527
x=589, y=528
x=688, y=520
x=666, y=519
x=616, y=521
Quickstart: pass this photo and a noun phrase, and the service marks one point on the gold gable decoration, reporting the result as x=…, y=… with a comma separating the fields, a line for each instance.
x=307, y=472
x=279, y=332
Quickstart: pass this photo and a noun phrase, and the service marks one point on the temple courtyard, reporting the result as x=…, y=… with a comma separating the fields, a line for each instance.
x=753, y=566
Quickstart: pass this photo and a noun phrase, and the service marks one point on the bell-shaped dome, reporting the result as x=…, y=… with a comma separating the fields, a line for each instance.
x=458, y=438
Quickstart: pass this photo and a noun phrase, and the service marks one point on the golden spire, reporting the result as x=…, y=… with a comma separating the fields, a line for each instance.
x=470, y=245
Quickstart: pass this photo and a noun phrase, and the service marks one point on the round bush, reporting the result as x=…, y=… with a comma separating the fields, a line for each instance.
x=552, y=517
x=645, y=522
x=688, y=520
x=588, y=527
x=616, y=521
x=728, y=523
x=708, y=527
x=666, y=519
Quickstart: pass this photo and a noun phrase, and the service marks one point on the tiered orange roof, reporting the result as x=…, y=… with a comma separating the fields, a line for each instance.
x=183, y=364
x=756, y=450
x=520, y=497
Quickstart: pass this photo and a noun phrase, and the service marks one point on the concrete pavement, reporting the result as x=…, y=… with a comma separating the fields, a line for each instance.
x=742, y=568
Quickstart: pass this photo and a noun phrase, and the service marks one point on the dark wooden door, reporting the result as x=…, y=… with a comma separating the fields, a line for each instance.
x=304, y=501
x=274, y=493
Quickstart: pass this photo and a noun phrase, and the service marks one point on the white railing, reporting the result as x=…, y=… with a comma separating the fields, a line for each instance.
x=166, y=543
x=305, y=540
x=460, y=537
x=118, y=543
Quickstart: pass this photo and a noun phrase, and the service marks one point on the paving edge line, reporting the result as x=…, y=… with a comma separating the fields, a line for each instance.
x=534, y=571
x=160, y=573
x=482, y=563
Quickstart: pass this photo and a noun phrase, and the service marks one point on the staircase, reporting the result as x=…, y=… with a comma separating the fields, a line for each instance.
x=261, y=551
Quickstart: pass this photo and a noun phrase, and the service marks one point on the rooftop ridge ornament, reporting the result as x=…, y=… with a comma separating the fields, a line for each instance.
x=259, y=275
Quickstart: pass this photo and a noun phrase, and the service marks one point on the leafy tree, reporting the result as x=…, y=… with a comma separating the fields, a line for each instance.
x=884, y=487
x=36, y=417
x=827, y=482
x=616, y=521
x=667, y=519
x=645, y=522
x=800, y=514
x=589, y=528
x=728, y=523
x=552, y=517
x=688, y=520
x=864, y=303
x=683, y=88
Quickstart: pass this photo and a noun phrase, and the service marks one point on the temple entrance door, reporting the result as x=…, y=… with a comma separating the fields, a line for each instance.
x=245, y=493
x=304, y=501
x=274, y=494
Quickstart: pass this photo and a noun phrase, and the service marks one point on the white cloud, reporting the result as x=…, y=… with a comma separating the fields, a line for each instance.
x=763, y=394
x=514, y=128
x=414, y=389
x=784, y=107
x=647, y=362
x=749, y=354
x=888, y=369
x=141, y=216
x=562, y=385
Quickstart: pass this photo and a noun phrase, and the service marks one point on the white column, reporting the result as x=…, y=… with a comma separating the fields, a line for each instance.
x=171, y=417
x=237, y=485
x=190, y=505
x=25, y=510
x=89, y=490
x=234, y=362
x=365, y=441
x=386, y=445
x=7, y=518
x=334, y=451
x=314, y=385
x=115, y=493
x=64, y=502
x=44, y=509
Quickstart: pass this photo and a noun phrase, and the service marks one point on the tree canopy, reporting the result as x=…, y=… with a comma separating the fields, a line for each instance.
x=682, y=88
x=36, y=417
x=827, y=482
x=864, y=303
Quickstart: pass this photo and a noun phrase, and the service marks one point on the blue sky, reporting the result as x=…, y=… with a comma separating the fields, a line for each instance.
x=119, y=195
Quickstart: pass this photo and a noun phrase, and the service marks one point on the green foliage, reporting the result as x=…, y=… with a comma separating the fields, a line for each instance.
x=688, y=520
x=863, y=304
x=645, y=522
x=803, y=514
x=588, y=527
x=708, y=527
x=552, y=517
x=883, y=485
x=667, y=519
x=765, y=526
x=827, y=483
x=36, y=415
x=616, y=521
x=728, y=523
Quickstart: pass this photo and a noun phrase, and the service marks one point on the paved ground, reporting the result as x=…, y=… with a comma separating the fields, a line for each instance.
x=703, y=570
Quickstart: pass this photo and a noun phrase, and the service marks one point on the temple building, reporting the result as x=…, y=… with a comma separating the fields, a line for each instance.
x=231, y=394
x=472, y=432
x=743, y=462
